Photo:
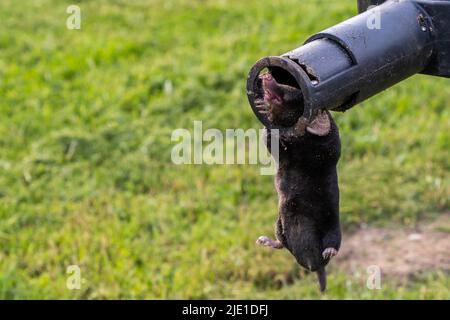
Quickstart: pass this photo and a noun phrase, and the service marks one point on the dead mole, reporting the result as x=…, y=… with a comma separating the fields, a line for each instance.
x=306, y=180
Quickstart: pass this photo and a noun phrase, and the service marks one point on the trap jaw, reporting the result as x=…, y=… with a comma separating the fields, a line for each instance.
x=362, y=56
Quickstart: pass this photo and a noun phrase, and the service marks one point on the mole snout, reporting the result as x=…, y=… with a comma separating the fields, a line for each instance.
x=282, y=104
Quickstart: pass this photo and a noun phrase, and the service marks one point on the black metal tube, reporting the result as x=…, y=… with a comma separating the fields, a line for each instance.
x=350, y=62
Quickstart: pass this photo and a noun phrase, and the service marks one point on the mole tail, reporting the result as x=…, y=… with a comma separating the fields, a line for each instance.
x=322, y=277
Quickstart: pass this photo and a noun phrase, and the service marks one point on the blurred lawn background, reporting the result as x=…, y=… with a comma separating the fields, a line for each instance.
x=85, y=170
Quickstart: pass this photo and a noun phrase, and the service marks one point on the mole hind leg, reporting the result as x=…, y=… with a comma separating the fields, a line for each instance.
x=331, y=242
x=276, y=244
x=266, y=241
x=279, y=233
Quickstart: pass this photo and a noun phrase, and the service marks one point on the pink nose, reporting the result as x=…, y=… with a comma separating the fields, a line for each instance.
x=268, y=82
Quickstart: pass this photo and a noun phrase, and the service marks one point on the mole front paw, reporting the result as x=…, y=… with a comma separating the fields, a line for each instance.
x=329, y=253
x=262, y=106
x=266, y=241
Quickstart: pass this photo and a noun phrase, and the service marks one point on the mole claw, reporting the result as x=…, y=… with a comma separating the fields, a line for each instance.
x=263, y=240
x=329, y=253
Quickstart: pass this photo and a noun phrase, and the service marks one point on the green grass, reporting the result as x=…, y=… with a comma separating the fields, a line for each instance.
x=85, y=170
